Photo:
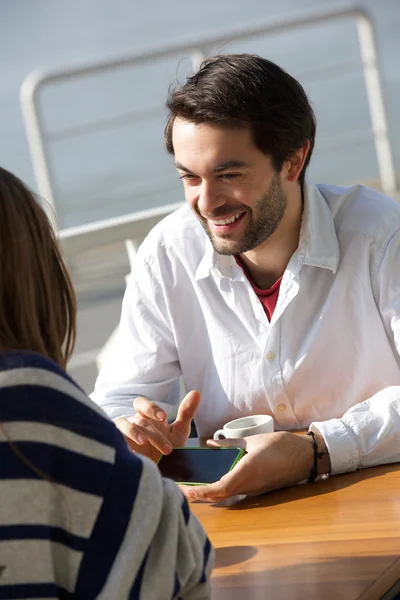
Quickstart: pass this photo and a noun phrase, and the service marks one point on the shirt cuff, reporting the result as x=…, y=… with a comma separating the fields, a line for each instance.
x=118, y=411
x=341, y=445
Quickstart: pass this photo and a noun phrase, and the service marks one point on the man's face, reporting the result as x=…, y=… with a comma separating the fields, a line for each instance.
x=232, y=186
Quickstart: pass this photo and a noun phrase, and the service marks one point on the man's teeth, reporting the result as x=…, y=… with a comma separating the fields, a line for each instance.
x=227, y=221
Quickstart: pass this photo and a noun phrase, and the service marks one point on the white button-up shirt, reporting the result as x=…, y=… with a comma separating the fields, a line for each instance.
x=328, y=359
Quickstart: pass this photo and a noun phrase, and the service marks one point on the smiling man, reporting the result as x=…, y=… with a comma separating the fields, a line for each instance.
x=266, y=293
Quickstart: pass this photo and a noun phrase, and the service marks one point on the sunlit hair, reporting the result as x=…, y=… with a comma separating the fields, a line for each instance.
x=247, y=91
x=37, y=300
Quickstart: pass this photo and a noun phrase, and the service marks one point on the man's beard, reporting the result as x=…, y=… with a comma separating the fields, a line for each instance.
x=264, y=218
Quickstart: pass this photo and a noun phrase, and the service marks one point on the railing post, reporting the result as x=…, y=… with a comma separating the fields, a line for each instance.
x=36, y=141
x=197, y=58
x=376, y=105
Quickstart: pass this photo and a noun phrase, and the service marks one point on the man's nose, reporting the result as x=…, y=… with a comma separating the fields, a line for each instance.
x=210, y=197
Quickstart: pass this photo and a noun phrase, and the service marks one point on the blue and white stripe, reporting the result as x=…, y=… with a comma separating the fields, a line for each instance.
x=102, y=523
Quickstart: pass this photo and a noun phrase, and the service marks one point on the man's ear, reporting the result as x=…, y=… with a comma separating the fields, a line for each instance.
x=294, y=165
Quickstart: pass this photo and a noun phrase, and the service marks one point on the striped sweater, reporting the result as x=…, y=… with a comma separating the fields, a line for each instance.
x=102, y=523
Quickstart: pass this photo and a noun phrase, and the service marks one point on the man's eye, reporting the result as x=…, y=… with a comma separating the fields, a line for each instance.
x=230, y=175
x=188, y=176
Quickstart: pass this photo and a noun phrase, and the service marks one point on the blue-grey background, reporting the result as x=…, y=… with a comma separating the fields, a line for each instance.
x=100, y=173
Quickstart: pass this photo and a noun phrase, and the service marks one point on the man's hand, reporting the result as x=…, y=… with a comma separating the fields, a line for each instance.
x=273, y=461
x=149, y=433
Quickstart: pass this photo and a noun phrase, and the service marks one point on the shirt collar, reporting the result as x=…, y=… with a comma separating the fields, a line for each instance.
x=223, y=265
x=318, y=241
x=318, y=244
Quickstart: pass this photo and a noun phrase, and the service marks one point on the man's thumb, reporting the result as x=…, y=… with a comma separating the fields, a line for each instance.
x=188, y=407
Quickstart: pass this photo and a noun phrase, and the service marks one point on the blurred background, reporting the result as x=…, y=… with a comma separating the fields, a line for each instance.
x=82, y=91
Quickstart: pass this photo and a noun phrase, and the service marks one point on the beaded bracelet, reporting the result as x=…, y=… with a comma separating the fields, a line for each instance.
x=317, y=455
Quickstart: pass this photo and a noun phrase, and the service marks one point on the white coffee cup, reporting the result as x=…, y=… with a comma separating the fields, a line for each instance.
x=245, y=426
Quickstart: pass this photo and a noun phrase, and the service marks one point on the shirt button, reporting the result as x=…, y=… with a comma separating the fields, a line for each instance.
x=270, y=355
x=281, y=407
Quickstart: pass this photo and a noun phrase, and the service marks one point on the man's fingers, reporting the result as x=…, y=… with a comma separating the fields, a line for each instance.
x=199, y=492
x=228, y=443
x=211, y=492
x=231, y=484
x=149, y=409
x=131, y=431
x=141, y=434
x=187, y=408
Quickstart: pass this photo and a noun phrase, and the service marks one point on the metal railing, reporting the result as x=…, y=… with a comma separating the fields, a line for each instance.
x=77, y=239
x=82, y=238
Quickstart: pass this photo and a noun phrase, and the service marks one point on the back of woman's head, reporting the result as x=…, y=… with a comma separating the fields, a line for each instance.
x=37, y=301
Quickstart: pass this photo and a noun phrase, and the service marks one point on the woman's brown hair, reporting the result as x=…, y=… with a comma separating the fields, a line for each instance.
x=37, y=300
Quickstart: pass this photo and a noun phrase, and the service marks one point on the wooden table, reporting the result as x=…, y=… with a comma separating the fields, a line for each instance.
x=334, y=539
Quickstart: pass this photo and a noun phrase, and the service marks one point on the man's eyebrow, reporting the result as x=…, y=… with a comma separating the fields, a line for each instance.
x=230, y=164
x=182, y=168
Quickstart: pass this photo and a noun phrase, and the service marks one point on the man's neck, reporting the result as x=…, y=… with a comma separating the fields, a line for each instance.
x=267, y=263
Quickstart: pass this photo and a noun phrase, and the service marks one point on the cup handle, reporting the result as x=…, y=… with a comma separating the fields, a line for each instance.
x=219, y=435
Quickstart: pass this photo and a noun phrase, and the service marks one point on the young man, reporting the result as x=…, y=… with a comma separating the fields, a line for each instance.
x=266, y=293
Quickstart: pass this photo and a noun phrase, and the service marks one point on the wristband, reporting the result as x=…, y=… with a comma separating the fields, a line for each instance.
x=317, y=455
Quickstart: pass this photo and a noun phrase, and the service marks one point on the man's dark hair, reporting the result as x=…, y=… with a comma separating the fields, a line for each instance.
x=245, y=90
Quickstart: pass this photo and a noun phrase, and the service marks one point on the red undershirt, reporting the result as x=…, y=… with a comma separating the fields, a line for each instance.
x=269, y=297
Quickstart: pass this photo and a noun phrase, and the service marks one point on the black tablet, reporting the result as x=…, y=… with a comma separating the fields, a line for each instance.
x=199, y=466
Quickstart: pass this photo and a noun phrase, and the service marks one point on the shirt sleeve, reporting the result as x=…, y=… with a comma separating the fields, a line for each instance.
x=146, y=543
x=144, y=359
x=368, y=434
